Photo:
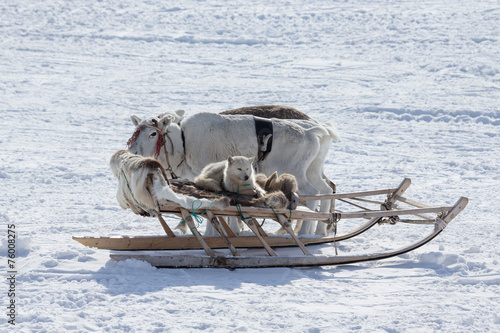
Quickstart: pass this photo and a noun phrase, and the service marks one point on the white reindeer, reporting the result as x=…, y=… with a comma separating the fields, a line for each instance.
x=262, y=111
x=299, y=148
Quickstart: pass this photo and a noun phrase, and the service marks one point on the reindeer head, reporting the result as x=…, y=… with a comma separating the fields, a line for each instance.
x=148, y=135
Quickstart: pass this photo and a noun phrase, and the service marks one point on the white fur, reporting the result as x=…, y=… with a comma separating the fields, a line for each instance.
x=239, y=176
x=233, y=175
x=299, y=148
x=176, y=117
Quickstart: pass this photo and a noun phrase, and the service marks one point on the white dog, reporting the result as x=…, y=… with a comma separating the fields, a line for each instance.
x=233, y=175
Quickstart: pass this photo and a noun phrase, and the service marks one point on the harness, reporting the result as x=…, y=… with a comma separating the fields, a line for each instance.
x=263, y=127
x=159, y=144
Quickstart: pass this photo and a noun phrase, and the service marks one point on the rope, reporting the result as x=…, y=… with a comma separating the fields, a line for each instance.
x=197, y=217
x=163, y=143
x=277, y=218
x=238, y=207
x=440, y=223
x=132, y=193
x=238, y=190
x=275, y=213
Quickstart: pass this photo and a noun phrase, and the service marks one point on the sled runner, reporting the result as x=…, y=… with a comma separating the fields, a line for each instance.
x=227, y=250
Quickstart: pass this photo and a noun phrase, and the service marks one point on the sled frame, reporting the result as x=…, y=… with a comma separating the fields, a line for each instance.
x=390, y=211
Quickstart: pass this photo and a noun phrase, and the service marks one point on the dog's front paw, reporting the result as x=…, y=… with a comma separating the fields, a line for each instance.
x=260, y=193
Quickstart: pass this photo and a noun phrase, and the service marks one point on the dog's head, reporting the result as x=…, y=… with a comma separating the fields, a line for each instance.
x=240, y=167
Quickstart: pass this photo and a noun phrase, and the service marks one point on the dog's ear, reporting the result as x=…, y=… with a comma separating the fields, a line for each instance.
x=271, y=180
x=251, y=159
x=135, y=120
x=230, y=160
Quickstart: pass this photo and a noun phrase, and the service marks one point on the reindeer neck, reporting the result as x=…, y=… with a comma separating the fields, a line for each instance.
x=175, y=148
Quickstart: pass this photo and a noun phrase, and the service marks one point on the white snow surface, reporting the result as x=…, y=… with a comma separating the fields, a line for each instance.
x=413, y=86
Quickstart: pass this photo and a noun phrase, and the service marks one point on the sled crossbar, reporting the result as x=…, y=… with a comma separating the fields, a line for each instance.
x=388, y=212
x=346, y=195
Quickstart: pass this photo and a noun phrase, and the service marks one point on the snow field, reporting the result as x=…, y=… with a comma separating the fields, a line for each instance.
x=412, y=86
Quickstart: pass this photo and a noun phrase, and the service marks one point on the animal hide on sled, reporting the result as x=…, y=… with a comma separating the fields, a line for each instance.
x=276, y=200
x=143, y=186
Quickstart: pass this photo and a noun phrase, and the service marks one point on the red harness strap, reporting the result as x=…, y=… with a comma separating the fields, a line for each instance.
x=159, y=142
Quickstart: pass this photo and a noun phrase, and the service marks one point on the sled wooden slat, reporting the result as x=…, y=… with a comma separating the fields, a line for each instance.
x=300, y=213
x=389, y=213
x=218, y=227
x=189, y=242
x=258, y=226
x=189, y=220
x=411, y=202
x=228, y=230
x=250, y=222
x=454, y=211
x=347, y=195
x=286, y=225
x=310, y=215
x=165, y=226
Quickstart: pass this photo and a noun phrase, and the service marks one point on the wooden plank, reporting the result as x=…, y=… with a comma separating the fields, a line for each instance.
x=218, y=227
x=250, y=222
x=188, y=242
x=257, y=212
x=228, y=230
x=398, y=192
x=353, y=204
x=165, y=226
x=347, y=195
x=261, y=231
x=310, y=215
x=455, y=210
x=387, y=213
x=411, y=202
x=189, y=220
x=286, y=225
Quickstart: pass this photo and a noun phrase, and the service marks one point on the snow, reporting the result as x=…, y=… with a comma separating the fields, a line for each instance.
x=413, y=87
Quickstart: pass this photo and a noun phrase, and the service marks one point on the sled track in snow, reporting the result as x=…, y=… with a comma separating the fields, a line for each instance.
x=467, y=116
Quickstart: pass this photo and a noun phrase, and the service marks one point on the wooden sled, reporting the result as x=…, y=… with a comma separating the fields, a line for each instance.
x=170, y=250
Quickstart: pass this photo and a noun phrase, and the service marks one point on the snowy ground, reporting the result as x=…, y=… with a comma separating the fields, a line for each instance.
x=414, y=88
